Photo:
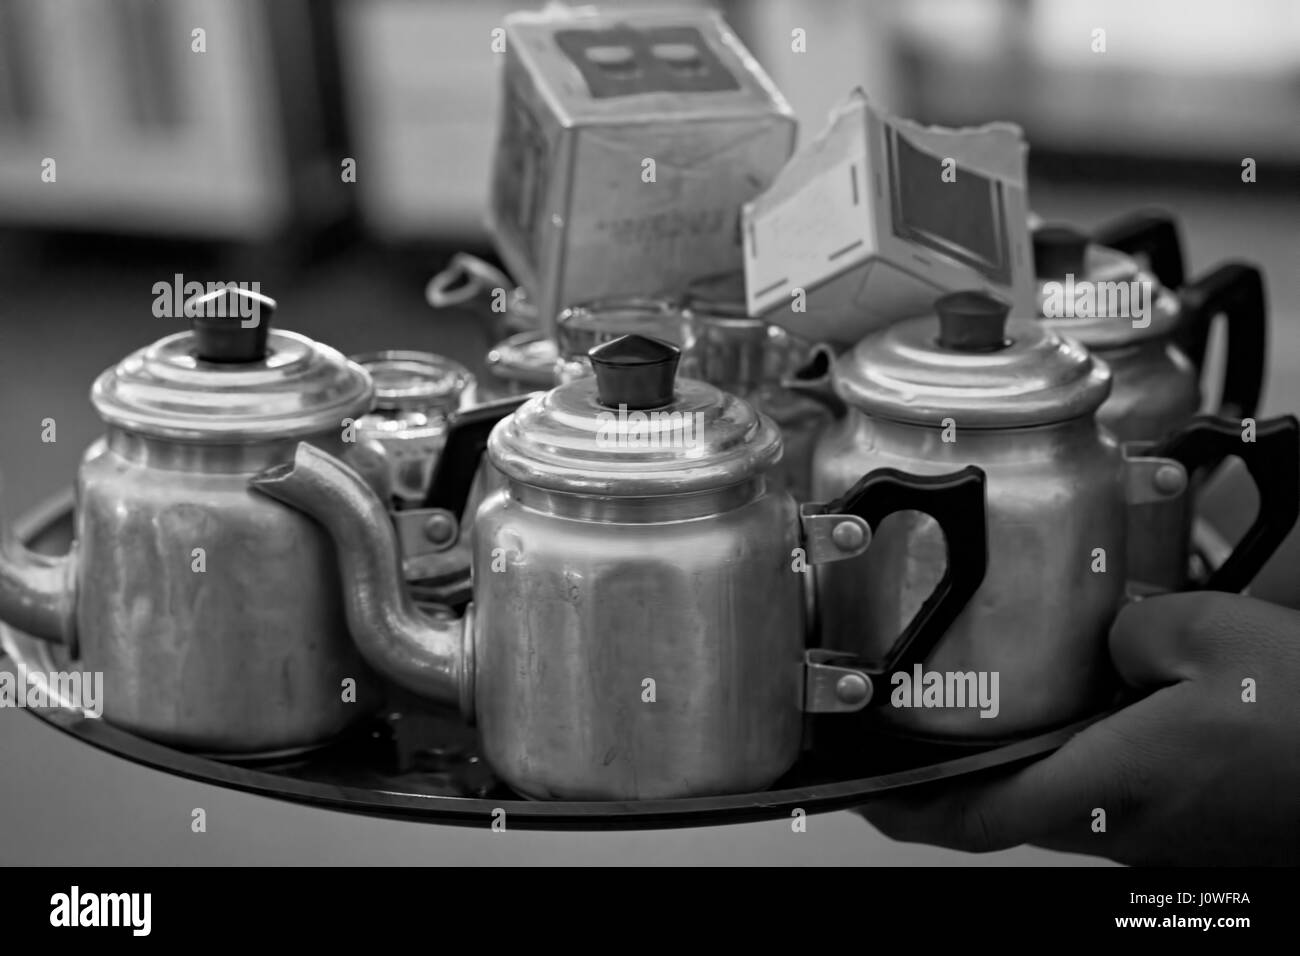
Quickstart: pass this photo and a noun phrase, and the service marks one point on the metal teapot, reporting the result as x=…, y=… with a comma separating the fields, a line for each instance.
x=1020, y=402
x=1156, y=359
x=638, y=625
x=213, y=614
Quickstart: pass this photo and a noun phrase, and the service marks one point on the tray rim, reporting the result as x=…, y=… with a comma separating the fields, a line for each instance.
x=520, y=813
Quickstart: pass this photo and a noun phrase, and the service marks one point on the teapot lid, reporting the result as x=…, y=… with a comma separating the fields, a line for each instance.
x=970, y=364
x=1079, y=283
x=634, y=430
x=232, y=379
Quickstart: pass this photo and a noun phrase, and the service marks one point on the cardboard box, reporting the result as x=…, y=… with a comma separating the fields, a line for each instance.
x=878, y=217
x=589, y=97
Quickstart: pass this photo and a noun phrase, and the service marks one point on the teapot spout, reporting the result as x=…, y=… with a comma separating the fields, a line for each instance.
x=429, y=655
x=38, y=592
x=813, y=380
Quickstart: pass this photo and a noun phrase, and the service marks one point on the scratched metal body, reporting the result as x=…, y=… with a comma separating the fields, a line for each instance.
x=594, y=601
x=1040, y=618
x=248, y=654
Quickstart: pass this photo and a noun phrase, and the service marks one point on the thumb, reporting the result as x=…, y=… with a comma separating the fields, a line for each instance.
x=1182, y=637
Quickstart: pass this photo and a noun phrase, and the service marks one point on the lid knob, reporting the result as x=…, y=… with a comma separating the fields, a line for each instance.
x=635, y=371
x=972, y=322
x=1059, y=251
x=230, y=324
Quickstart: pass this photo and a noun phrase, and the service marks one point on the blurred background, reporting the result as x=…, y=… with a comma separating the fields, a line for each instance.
x=144, y=138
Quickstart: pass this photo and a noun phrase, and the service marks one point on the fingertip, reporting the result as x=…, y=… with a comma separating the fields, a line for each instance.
x=959, y=816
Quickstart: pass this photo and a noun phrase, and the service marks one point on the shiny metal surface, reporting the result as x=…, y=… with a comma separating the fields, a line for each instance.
x=1067, y=511
x=832, y=687
x=215, y=615
x=576, y=616
x=1110, y=332
x=215, y=618
x=1155, y=386
x=801, y=421
x=1156, y=389
x=1055, y=495
x=834, y=537
x=300, y=388
x=566, y=440
x=902, y=374
x=1149, y=480
x=416, y=766
x=639, y=624
x=423, y=653
x=38, y=593
x=424, y=536
x=1160, y=521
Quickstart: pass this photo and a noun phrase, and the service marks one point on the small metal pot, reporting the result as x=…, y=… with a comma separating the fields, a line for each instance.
x=1020, y=402
x=214, y=615
x=1156, y=360
x=638, y=628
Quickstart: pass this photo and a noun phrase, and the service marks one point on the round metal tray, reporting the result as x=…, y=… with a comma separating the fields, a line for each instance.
x=413, y=763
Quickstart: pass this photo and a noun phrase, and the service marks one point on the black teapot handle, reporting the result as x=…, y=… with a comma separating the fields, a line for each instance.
x=957, y=502
x=467, y=437
x=1151, y=233
x=1236, y=290
x=1273, y=460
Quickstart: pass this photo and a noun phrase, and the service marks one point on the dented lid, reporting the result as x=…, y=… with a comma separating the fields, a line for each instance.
x=1096, y=294
x=232, y=379
x=633, y=429
x=969, y=363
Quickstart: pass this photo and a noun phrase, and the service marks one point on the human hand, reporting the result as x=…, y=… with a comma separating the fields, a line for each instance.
x=1191, y=774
